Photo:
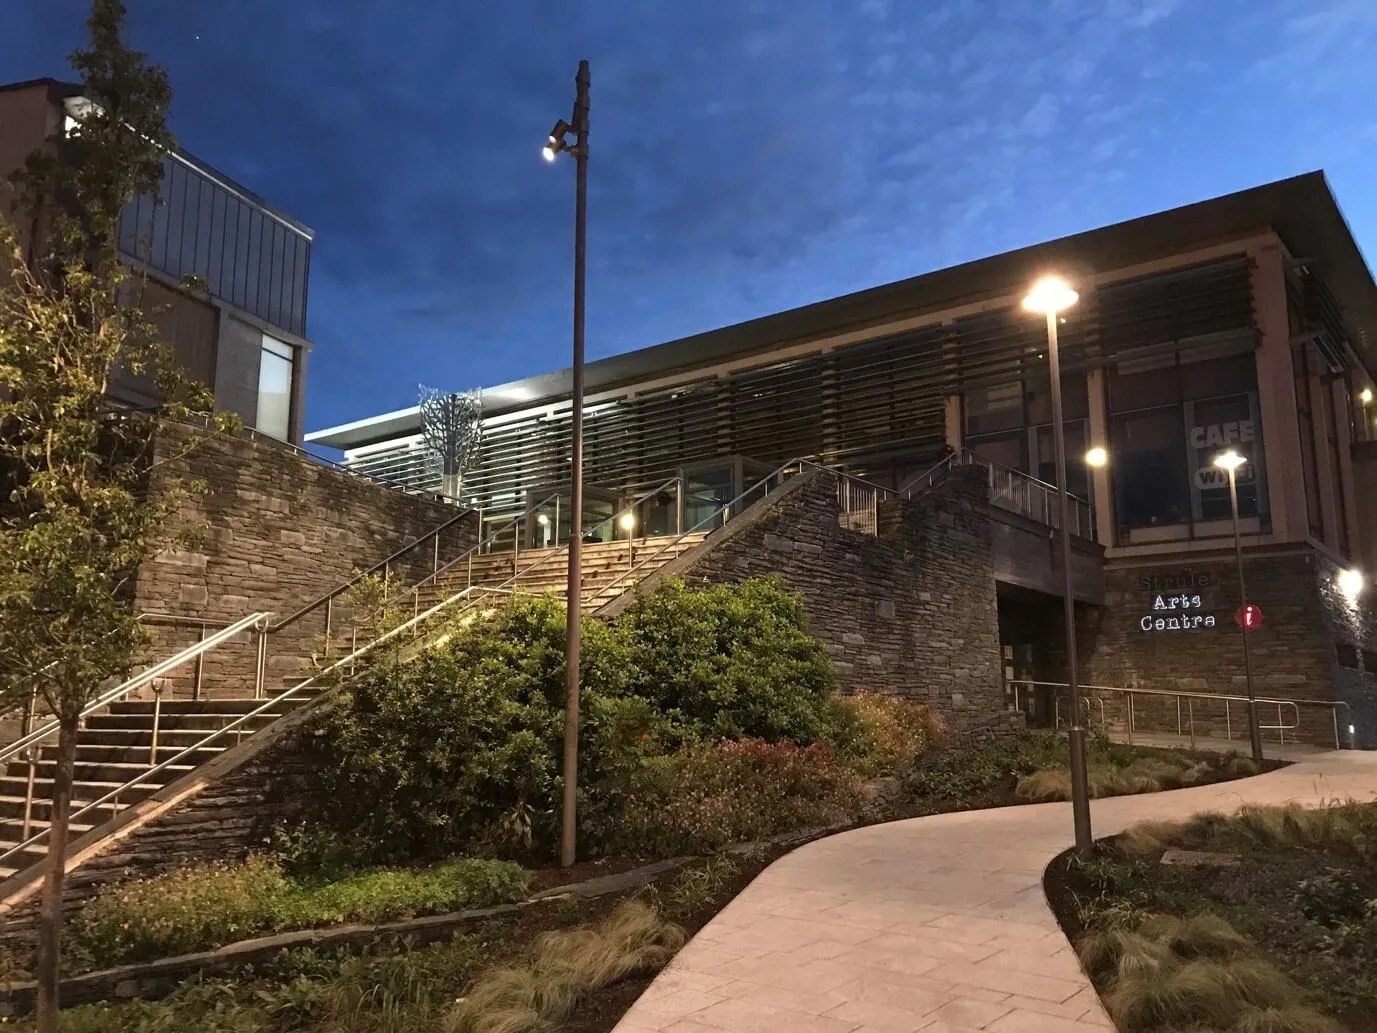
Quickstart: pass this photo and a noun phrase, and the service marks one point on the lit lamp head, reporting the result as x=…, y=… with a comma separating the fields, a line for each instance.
x=627, y=521
x=1229, y=460
x=1049, y=296
x=1365, y=396
x=556, y=141
x=1096, y=457
x=1351, y=583
x=543, y=519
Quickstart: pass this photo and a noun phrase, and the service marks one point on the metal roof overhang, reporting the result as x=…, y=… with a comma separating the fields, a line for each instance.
x=1302, y=210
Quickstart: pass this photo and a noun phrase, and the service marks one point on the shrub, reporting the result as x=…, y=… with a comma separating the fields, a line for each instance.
x=461, y=748
x=198, y=908
x=734, y=661
x=567, y=968
x=706, y=797
x=880, y=734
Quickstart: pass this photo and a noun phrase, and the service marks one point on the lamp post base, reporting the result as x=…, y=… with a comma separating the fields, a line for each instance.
x=1080, y=791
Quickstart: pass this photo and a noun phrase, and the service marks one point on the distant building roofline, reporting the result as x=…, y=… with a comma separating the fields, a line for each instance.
x=1302, y=210
x=59, y=91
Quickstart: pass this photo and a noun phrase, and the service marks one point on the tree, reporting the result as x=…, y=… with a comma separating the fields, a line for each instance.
x=75, y=518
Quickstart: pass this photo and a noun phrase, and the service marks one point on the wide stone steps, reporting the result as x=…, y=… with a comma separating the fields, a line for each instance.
x=114, y=747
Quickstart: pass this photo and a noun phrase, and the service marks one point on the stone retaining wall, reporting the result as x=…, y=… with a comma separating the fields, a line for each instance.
x=276, y=531
x=1297, y=653
x=912, y=611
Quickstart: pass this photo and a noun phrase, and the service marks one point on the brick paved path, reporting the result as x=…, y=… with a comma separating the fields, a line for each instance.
x=931, y=925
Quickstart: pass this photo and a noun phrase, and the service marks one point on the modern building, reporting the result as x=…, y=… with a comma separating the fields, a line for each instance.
x=245, y=336
x=1248, y=322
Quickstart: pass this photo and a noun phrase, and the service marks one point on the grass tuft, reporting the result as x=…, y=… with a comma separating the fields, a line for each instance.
x=567, y=967
x=1294, y=1019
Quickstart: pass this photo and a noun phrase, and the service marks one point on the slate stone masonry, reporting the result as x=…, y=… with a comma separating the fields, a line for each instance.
x=1297, y=652
x=275, y=532
x=911, y=612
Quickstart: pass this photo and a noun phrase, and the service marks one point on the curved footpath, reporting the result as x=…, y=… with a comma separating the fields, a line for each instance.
x=938, y=924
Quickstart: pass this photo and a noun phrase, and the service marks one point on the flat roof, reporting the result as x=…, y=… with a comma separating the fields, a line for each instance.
x=1302, y=210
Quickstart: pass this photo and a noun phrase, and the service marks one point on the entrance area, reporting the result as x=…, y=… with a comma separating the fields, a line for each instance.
x=1031, y=643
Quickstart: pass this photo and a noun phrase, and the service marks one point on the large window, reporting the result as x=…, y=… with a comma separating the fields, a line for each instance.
x=1011, y=424
x=1170, y=416
x=275, y=371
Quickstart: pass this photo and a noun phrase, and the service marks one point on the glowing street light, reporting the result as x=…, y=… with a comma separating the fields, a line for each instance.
x=1351, y=584
x=1365, y=396
x=1096, y=457
x=627, y=521
x=1050, y=296
x=1231, y=461
x=558, y=141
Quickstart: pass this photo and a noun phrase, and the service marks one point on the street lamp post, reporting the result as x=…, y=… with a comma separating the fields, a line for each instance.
x=1231, y=461
x=559, y=141
x=1051, y=296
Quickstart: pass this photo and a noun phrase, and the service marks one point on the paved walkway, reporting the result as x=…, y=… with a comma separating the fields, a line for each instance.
x=936, y=924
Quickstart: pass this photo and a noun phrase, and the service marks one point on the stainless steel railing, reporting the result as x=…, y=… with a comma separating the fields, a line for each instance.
x=1185, y=707
x=110, y=800
x=32, y=739
x=1013, y=490
x=857, y=501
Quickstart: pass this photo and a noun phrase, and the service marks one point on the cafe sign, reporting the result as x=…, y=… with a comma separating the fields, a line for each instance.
x=1177, y=600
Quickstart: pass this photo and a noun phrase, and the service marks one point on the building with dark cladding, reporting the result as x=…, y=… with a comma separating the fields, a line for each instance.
x=1248, y=322
x=246, y=337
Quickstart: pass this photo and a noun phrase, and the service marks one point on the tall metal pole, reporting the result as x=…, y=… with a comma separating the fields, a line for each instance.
x=1080, y=790
x=1254, y=730
x=568, y=851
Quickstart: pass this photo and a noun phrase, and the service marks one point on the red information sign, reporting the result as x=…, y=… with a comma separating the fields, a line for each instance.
x=1248, y=616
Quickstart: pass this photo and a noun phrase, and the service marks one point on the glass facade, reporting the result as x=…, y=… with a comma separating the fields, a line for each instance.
x=276, y=369
x=1170, y=415
x=1011, y=424
x=198, y=226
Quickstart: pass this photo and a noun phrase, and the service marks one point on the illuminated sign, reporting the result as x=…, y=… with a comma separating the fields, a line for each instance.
x=1176, y=610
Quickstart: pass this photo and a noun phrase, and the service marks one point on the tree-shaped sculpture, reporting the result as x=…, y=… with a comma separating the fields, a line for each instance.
x=452, y=427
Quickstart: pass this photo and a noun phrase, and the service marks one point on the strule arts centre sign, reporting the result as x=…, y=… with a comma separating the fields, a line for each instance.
x=1178, y=601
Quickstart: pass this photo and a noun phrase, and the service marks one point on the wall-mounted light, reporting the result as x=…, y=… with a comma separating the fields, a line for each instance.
x=1097, y=456
x=1351, y=583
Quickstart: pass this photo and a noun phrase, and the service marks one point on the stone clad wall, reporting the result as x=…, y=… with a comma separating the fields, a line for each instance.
x=912, y=612
x=1294, y=651
x=276, y=531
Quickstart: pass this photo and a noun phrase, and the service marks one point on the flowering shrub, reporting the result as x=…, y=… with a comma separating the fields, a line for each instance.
x=197, y=908
x=880, y=734
x=705, y=797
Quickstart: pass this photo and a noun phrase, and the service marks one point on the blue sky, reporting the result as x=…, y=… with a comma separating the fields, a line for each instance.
x=748, y=156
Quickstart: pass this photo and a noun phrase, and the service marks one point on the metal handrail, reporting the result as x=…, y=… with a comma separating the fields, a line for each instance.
x=382, y=564
x=477, y=549
x=967, y=457
x=253, y=620
x=1332, y=705
x=237, y=724
x=727, y=507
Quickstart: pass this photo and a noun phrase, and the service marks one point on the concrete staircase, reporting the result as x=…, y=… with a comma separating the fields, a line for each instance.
x=114, y=747
x=116, y=743
x=544, y=571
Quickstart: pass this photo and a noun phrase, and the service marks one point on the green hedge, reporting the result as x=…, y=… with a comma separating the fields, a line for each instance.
x=206, y=906
x=460, y=749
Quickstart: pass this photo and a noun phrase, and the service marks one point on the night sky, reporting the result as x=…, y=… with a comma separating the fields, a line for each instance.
x=746, y=157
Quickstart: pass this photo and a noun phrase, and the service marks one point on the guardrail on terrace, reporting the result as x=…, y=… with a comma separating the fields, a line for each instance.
x=1093, y=700
x=1013, y=490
